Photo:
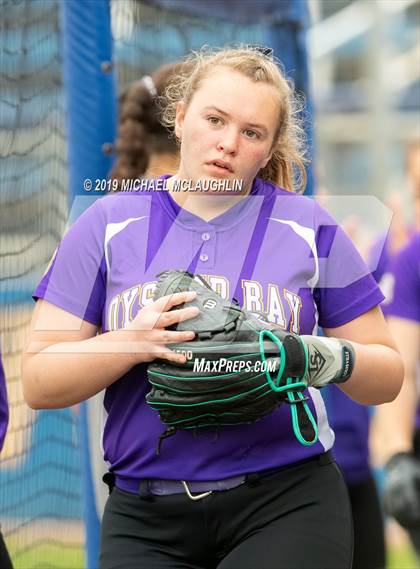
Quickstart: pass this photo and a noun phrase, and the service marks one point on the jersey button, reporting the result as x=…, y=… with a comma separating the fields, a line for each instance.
x=205, y=236
x=204, y=257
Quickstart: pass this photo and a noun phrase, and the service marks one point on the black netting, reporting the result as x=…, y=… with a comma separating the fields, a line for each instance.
x=40, y=502
x=146, y=36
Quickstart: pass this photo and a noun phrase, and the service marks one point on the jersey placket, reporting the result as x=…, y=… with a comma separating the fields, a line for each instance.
x=205, y=239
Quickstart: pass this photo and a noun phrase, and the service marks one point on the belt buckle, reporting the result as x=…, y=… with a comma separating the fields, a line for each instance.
x=196, y=496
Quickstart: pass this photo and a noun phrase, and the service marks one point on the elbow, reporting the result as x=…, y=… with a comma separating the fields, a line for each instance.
x=30, y=396
x=389, y=396
x=27, y=389
x=36, y=398
x=35, y=401
x=32, y=391
x=33, y=404
x=394, y=384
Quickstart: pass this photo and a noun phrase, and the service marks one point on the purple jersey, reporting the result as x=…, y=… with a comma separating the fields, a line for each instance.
x=403, y=298
x=403, y=292
x=274, y=251
x=381, y=252
x=4, y=410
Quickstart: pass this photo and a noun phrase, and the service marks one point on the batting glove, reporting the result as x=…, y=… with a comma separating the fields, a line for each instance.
x=329, y=360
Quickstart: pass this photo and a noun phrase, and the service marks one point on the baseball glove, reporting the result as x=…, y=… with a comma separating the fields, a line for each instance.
x=401, y=490
x=239, y=367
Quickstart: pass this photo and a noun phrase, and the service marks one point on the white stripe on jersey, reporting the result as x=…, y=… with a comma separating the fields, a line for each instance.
x=113, y=229
x=307, y=235
x=325, y=433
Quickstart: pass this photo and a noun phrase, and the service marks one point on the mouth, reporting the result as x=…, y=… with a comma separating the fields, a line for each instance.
x=221, y=166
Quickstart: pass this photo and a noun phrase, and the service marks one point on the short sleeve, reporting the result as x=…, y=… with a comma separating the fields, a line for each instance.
x=76, y=277
x=379, y=258
x=346, y=288
x=403, y=296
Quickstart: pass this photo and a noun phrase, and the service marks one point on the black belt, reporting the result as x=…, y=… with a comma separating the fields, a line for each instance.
x=196, y=490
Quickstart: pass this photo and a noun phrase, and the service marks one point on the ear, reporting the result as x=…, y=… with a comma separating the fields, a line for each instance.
x=179, y=119
x=274, y=147
x=267, y=160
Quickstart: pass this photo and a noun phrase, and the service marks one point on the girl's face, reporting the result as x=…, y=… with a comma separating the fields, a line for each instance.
x=228, y=128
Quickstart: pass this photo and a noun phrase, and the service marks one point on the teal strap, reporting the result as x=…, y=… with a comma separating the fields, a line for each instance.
x=293, y=386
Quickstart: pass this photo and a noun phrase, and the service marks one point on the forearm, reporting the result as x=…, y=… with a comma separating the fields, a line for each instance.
x=66, y=373
x=377, y=374
x=66, y=362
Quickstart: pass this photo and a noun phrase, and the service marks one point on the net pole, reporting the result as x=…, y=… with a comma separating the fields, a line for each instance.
x=90, y=92
x=90, y=96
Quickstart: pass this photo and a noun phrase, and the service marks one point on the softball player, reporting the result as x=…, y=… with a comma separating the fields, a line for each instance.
x=399, y=423
x=253, y=496
x=5, y=561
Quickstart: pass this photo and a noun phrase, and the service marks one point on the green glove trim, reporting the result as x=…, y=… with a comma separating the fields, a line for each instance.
x=290, y=387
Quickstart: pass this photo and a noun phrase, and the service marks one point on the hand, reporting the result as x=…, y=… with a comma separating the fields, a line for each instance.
x=329, y=360
x=150, y=326
x=402, y=489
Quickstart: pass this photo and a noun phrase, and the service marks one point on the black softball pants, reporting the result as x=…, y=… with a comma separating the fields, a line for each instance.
x=297, y=518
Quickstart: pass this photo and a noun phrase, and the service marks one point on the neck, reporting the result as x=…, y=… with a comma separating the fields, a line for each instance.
x=204, y=204
x=162, y=163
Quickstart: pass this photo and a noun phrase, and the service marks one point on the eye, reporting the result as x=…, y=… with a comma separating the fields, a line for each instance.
x=214, y=120
x=249, y=133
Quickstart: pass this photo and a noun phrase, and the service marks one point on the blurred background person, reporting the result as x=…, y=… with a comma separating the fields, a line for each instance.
x=144, y=147
x=396, y=435
x=350, y=421
x=397, y=426
x=404, y=204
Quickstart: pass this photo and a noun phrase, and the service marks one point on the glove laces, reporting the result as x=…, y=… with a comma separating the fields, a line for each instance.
x=293, y=387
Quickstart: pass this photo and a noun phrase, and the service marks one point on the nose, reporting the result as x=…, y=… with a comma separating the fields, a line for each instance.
x=228, y=143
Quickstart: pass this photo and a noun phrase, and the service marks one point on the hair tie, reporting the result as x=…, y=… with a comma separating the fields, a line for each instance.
x=150, y=85
x=267, y=51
